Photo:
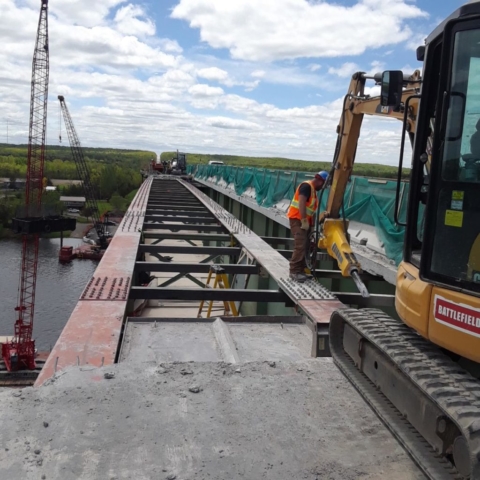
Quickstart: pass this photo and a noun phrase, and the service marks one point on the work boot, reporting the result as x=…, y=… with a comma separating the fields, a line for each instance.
x=298, y=277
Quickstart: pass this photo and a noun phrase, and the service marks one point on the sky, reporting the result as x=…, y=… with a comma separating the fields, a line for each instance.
x=237, y=77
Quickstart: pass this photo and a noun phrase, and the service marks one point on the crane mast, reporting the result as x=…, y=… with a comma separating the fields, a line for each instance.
x=83, y=173
x=20, y=352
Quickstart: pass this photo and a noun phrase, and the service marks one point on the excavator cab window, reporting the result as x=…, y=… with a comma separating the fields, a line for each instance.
x=451, y=253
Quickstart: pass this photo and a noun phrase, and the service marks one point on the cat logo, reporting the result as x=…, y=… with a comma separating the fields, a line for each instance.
x=385, y=110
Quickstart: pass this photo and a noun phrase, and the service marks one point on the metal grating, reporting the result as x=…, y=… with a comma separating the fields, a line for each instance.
x=107, y=288
x=226, y=218
x=309, y=290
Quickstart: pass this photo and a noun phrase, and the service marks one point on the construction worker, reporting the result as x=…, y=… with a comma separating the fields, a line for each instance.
x=300, y=213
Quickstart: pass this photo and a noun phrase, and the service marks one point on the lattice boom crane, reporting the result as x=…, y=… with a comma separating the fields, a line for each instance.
x=83, y=173
x=19, y=353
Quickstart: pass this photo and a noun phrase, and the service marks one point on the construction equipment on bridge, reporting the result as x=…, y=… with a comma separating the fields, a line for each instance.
x=19, y=352
x=179, y=164
x=156, y=166
x=331, y=232
x=83, y=171
x=433, y=382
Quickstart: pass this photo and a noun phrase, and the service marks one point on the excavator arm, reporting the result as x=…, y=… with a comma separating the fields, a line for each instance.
x=333, y=236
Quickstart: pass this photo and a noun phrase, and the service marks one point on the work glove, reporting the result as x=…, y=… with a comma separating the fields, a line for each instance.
x=305, y=224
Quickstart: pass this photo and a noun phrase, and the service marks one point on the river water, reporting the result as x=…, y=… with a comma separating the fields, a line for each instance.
x=58, y=288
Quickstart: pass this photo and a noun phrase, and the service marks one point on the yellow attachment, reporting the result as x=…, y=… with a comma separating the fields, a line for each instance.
x=221, y=281
x=334, y=241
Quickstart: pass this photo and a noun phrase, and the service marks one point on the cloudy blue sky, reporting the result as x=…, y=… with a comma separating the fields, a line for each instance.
x=244, y=77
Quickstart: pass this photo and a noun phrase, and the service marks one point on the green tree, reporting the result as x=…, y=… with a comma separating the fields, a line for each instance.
x=118, y=203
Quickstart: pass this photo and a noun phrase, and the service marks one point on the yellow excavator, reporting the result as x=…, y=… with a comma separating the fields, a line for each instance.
x=421, y=372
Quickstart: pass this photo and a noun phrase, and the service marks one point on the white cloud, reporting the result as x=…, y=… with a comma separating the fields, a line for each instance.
x=345, y=70
x=131, y=20
x=213, y=74
x=416, y=41
x=231, y=123
x=127, y=88
x=203, y=90
x=313, y=67
x=87, y=13
x=258, y=74
x=286, y=29
x=376, y=67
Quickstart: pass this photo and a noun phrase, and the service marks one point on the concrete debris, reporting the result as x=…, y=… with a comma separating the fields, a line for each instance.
x=272, y=364
x=171, y=477
x=45, y=424
x=109, y=375
x=186, y=371
x=195, y=389
x=37, y=452
x=251, y=417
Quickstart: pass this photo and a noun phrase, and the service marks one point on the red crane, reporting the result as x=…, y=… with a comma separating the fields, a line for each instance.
x=20, y=352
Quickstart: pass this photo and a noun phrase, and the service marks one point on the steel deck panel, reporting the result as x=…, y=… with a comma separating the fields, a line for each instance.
x=91, y=335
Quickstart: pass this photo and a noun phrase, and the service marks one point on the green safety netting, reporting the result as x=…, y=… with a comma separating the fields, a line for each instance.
x=368, y=201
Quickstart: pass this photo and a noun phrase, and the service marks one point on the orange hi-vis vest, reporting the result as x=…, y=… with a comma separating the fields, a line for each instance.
x=311, y=206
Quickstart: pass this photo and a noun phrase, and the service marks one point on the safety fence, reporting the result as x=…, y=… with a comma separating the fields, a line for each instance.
x=367, y=200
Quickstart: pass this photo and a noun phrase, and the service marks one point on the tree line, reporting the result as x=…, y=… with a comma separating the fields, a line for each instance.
x=59, y=163
x=278, y=163
x=115, y=175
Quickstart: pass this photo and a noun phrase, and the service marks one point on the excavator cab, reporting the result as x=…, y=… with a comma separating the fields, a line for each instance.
x=438, y=283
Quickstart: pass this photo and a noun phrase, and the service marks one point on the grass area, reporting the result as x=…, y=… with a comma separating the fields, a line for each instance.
x=131, y=195
x=66, y=234
x=103, y=206
x=278, y=163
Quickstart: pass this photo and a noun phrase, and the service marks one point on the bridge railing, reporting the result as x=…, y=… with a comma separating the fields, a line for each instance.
x=369, y=201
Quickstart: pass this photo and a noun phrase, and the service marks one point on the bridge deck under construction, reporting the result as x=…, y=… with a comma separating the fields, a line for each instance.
x=148, y=382
x=174, y=232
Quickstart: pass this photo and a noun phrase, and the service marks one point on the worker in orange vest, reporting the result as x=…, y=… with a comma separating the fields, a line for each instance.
x=300, y=213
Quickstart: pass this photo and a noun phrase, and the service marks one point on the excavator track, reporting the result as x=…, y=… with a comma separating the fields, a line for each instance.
x=428, y=401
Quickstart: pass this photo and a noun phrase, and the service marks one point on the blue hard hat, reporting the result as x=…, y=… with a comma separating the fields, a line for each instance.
x=323, y=174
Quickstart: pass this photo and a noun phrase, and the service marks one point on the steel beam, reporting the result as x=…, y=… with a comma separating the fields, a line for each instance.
x=215, y=294
x=235, y=251
x=187, y=213
x=195, y=267
x=278, y=240
x=163, y=206
x=203, y=237
x=181, y=226
x=173, y=200
x=182, y=218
